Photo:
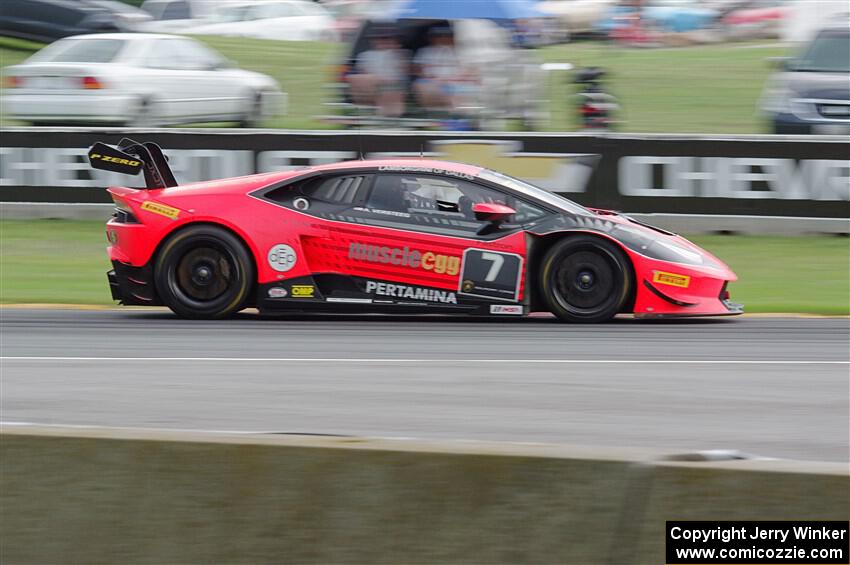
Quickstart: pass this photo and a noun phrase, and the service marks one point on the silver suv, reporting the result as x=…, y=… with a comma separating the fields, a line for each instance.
x=811, y=92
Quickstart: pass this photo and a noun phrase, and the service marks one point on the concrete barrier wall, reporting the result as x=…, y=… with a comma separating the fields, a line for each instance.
x=112, y=496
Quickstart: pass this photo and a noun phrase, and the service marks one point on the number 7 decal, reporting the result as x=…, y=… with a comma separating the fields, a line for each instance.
x=498, y=261
x=490, y=274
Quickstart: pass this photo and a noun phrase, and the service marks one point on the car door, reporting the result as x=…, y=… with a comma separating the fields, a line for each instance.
x=223, y=94
x=413, y=239
x=185, y=80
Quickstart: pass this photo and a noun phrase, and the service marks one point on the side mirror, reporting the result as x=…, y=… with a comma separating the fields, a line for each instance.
x=490, y=212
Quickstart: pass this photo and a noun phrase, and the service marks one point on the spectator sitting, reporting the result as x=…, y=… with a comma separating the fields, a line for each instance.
x=381, y=78
x=442, y=82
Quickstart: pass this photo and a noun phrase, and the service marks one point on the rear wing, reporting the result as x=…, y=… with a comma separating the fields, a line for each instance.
x=129, y=157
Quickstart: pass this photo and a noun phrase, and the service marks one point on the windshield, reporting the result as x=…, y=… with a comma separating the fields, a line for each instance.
x=79, y=51
x=828, y=53
x=530, y=190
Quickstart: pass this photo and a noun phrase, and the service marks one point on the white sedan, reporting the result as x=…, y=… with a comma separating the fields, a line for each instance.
x=135, y=79
x=292, y=20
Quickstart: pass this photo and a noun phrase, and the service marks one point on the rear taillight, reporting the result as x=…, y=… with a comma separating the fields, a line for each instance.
x=91, y=83
x=123, y=214
x=342, y=73
x=12, y=82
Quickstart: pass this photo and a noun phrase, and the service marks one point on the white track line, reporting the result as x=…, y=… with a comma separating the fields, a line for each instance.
x=429, y=360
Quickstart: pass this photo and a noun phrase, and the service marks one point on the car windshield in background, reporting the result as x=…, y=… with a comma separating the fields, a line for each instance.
x=828, y=53
x=79, y=51
x=535, y=192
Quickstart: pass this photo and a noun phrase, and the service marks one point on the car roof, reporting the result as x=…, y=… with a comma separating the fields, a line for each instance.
x=127, y=36
x=262, y=180
x=413, y=163
x=246, y=3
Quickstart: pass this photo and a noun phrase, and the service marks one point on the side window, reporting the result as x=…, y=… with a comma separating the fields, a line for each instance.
x=317, y=193
x=160, y=55
x=277, y=10
x=194, y=56
x=154, y=8
x=177, y=10
x=180, y=54
x=442, y=197
x=347, y=190
x=389, y=194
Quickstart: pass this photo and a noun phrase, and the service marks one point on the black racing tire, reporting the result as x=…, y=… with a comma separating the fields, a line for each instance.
x=204, y=272
x=586, y=279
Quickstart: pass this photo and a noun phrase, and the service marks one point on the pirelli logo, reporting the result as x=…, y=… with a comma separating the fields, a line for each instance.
x=161, y=209
x=671, y=279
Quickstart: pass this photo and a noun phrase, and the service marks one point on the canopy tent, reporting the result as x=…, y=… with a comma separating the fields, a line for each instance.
x=466, y=9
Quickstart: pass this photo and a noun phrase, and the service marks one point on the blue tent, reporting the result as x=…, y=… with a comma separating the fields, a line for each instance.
x=466, y=9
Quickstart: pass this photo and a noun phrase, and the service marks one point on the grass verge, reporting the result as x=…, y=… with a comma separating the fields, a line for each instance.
x=61, y=261
x=809, y=274
x=704, y=89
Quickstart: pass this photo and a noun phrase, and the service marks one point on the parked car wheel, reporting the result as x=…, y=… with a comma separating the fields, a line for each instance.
x=144, y=114
x=586, y=279
x=204, y=272
x=254, y=112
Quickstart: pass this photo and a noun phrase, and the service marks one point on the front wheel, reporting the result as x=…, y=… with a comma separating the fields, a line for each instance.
x=204, y=272
x=586, y=279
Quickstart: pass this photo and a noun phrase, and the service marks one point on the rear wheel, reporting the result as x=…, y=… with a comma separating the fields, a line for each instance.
x=586, y=279
x=144, y=114
x=253, y=116
x=204, y=272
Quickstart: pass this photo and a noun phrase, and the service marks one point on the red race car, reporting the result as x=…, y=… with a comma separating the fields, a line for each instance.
x=411, y=235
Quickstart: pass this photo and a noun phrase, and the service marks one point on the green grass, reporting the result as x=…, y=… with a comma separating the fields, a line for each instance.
x=53, y=261
x=64, y=261
x=786, y=274
x=701, y=89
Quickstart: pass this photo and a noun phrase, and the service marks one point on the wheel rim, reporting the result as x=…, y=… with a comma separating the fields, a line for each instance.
x=204, y=274
x=255, y=114
x=144, y=114
x=585, y=282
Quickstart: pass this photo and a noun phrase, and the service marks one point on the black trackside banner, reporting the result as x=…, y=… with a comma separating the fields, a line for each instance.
x=758, y=543
x=800, y=176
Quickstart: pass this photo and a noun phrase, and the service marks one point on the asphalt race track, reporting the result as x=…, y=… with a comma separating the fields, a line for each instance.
x=775, y=387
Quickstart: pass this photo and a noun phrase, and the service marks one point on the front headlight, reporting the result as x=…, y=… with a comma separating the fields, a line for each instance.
x=675, y=253
x=776, y=99
x=661, y=249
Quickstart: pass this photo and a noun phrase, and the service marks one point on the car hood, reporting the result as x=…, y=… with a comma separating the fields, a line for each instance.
x=638, y=237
